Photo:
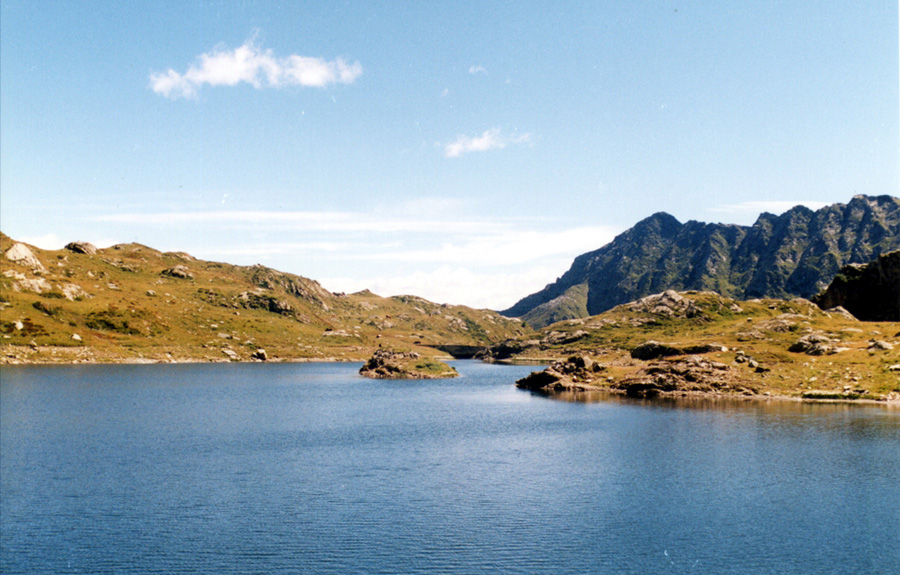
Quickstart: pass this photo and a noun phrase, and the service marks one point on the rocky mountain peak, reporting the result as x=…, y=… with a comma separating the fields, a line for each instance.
x=794, y=254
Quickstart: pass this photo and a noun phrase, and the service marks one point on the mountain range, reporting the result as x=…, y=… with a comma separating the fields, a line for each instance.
x=795, y=254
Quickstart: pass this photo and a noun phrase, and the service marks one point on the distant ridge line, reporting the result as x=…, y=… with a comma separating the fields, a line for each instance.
x=795, y=254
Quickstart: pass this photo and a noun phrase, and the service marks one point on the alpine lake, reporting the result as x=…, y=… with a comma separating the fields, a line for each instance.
x=310, y=468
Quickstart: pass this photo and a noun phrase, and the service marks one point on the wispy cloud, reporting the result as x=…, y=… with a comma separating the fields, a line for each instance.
x=307, y=221
x=406, y=238
x=454, y=256
x=45, y=242
x=474, y=70
x=251, y=64
x=454, y=284
x=507, y=246
x=492, y=139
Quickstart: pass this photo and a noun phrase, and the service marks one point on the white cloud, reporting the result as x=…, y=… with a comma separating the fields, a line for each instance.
x=505, y=247
x=477, y=70
x=412, y=239
x=45, y=242
x=269, y=249
x=452, y=257
x=491, y=139
x=307, y=221
x=454, y=285
x=772, y=206
x=255, y=66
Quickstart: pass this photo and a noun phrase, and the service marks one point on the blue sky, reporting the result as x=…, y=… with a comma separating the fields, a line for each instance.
x=461, y=151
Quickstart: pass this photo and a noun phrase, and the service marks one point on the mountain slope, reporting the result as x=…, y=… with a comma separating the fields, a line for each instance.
x=792, y=255
x=130, y=302
x=870, y=292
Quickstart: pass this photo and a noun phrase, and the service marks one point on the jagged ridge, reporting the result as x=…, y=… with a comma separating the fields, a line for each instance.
x=792, y=255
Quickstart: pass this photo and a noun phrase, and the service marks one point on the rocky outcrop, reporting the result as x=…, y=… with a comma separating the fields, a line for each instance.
x=21, y=255
x=390, y=364
x=668, y=303
x=871, y=292
x=691, y=374
x=82, y=248
x=577, y=373
x=654, y=350
x=814, y=344
x=794, y=254
x=180, y=272
x=504, y=350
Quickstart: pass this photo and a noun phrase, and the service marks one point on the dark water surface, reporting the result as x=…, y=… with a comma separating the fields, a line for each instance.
x=307, y=468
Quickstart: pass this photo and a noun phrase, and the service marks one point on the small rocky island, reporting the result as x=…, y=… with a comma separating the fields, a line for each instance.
x=390, y=364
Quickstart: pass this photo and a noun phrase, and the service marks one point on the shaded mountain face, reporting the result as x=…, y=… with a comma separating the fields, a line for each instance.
x=871, y=292
x=795, y=254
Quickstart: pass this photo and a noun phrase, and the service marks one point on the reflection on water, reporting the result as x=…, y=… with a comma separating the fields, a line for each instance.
x=769, y=405
x=312, y=469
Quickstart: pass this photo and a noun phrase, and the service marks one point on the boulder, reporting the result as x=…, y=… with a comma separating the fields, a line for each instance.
x=81, y=248
x=574, y=374
x=543, y=381
x=668, y=303
x=21, y=255
x=562, y=338
x=813, y=344
x=878, y=345
x=841, y=311
x=180, y=272
x=72, y=291
x=654, y=349
x=259, y=355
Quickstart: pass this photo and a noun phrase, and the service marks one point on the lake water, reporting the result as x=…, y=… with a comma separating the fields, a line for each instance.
x=308, y=468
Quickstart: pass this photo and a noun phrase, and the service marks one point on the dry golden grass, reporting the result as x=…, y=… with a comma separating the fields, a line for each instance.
x=120, y=305
x=759, y=330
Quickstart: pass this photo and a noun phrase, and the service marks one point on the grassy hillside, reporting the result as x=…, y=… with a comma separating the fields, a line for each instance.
x=720, y=345
x=131, y=302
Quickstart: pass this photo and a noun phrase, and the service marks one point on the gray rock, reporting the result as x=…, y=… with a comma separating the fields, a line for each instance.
x=880, y=345
x=841, y=312
x=813, y=344
x=180, y=272
x=81, y=248
x=654, y=349
x=21, y=255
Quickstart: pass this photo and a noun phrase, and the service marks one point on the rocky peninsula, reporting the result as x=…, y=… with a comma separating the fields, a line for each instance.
x=701, y=343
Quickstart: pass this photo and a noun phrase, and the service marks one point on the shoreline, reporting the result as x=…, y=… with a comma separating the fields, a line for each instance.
x=585, y=396
x=582, y=394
